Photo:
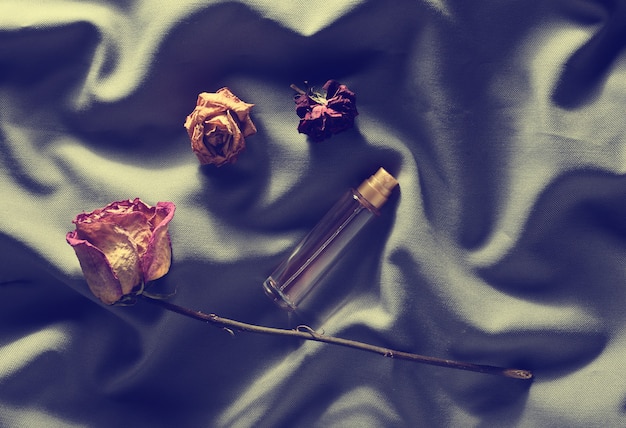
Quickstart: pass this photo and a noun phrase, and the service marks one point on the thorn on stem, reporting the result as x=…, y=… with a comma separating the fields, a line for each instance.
x=307, y=329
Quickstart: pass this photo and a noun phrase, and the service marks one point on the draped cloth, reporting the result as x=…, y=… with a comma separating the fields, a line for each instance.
x=504, y=245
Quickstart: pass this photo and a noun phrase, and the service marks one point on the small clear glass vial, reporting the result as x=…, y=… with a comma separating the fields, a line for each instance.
x=300, y=273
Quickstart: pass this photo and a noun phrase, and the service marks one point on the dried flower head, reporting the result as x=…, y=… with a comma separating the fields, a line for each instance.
x=325, y=113
x=218, y=126
x=122, y=246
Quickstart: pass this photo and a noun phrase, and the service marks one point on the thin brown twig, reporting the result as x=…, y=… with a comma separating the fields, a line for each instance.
x=306, y=333
x=298, y=90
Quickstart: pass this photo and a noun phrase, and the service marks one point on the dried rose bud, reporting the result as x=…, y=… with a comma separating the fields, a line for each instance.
x=218, y=126
x=321, y=115
x=122, y=246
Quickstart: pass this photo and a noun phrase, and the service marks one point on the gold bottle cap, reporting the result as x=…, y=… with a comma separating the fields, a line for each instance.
x=378, y=187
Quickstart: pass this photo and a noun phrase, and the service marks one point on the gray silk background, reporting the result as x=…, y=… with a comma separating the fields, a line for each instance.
x=504, y=245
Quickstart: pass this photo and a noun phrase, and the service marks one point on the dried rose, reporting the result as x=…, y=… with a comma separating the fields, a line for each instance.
x=122, y=246
x=324, y=114
x=218, y=126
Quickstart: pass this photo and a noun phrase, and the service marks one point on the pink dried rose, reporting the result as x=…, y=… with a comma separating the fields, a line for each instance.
x=218, y=127
x=324, y=114
x=122, y=246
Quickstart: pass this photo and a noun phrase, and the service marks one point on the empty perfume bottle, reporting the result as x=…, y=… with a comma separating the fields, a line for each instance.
x=301, y=271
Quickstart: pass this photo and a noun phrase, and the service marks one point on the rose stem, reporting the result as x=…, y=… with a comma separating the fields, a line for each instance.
x=298, y=90
x=306, y=333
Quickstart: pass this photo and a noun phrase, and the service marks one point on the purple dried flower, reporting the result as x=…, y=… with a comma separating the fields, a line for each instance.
x=322, y=115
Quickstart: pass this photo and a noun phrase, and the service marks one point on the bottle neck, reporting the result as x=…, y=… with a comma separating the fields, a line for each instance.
x=364, y=201
x=377, y=188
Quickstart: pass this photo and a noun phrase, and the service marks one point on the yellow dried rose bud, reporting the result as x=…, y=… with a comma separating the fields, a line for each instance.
x=218, y=126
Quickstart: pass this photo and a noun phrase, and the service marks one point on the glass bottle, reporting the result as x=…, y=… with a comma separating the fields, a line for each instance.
x=301, y=271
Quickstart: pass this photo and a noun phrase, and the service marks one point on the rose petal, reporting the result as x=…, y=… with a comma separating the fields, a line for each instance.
x=231, y=102
x=117, y=246
x=222, y=141
x=136, y=227
x=97, y=271
x=158, y=257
